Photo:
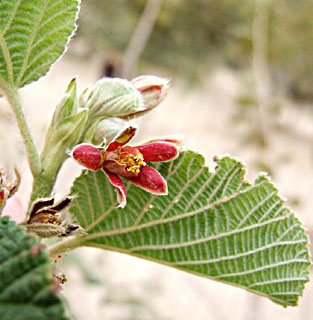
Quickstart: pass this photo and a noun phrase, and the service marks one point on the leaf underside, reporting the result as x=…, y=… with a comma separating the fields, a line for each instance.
x=33, y=35
x=214, y=225
x=25, y=285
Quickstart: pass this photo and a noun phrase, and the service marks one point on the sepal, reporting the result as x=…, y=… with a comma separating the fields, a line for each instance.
x=153, y=90
x=107, y=130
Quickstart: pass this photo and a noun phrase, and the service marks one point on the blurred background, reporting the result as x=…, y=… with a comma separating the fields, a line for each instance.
x=242, y=79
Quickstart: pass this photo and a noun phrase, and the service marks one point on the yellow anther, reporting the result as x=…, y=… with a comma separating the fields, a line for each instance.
x=133, y=163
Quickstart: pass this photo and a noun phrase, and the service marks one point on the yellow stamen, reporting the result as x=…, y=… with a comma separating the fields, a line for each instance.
x=133, y=163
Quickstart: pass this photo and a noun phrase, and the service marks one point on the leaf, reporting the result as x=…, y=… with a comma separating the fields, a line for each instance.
x=214, y=225
x=26, y=289
x=33, y=35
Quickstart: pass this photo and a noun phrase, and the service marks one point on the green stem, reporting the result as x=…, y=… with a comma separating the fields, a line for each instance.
x=42, y=186
x=11, y=93
x=65, y=245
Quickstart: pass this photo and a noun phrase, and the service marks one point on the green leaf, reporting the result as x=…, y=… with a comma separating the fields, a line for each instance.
x=214, y=225
x=26, y=288
x=33, y=35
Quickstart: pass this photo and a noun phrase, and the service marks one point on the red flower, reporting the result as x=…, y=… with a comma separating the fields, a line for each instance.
x=128, y=162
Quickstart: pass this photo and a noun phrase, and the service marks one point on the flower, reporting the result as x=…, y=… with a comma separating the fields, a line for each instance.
x=128, y=162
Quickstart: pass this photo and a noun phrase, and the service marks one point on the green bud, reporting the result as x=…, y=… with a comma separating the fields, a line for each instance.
x=111, y=97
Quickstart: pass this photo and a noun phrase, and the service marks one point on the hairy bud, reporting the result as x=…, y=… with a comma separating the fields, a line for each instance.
x=65, y=131
x=153, y=90
x=111, y=97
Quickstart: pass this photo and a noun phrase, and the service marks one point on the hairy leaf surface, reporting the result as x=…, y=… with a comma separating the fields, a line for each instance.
x=214, y=225
x=26, y=288
x=33, y=35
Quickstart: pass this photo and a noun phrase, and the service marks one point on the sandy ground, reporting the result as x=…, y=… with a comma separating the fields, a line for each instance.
x=104, y=285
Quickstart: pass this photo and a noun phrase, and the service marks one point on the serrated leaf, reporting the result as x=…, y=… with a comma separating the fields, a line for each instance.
x=33, y=35
x=214, y=225
x=25, y=285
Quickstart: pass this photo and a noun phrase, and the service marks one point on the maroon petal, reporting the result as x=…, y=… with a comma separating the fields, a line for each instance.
x=150, y=180
x=120, y=188
x=88, y=156
x=122, y=139
x=158, y=151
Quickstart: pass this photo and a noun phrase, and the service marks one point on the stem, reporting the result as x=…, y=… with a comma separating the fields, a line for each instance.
x=260, y=63
x=65, y=245
x=11, y=93
x=42, y=186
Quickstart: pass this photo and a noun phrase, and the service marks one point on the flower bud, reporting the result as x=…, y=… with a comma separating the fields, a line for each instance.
x=89, y=156
x=111, y=97
x=153, y=89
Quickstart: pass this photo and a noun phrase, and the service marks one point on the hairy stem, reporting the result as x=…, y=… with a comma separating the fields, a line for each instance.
x=65, y=245
x=42, y=186
x=11, y=93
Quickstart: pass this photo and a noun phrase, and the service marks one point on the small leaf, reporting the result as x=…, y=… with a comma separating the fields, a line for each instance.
x=68, y=105
x=214, y=225
x=26, y=288
x=33, y=35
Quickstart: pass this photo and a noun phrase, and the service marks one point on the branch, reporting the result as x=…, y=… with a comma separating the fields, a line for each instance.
x=260, y=61
x=140, y=37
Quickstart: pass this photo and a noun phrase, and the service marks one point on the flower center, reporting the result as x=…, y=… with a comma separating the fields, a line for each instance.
x=133, y=163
